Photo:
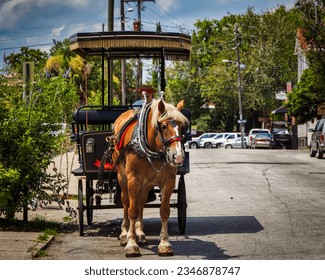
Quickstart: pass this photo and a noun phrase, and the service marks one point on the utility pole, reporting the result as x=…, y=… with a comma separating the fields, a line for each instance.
x=110, y=27
x=138, y=82
x=241, y=121
x=123, y=62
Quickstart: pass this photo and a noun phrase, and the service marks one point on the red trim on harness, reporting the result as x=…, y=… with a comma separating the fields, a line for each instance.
x=107, y=166
x=121, y=140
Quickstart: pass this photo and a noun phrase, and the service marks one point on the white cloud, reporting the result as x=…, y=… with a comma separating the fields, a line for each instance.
x=167, y=4
x=57, y=31
x=11, y=12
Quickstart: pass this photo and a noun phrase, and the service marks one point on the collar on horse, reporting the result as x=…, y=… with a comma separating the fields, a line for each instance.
x=139, y=140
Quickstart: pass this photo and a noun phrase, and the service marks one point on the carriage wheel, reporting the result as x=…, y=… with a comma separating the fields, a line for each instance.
x=181, y=205
x=89, y=201
x=81, y=208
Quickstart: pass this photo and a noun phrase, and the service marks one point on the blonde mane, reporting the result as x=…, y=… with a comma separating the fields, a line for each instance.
x=171, y=112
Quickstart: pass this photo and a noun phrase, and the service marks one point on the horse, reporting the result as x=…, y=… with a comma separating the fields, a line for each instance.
x=148, y=149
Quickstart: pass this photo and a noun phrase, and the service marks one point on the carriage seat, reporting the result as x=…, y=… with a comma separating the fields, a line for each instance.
x=98, y=114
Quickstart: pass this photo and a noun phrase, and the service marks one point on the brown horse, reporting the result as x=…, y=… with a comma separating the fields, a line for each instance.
x=147, y=153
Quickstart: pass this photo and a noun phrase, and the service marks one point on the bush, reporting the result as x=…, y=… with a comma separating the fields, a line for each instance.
x=27, y=145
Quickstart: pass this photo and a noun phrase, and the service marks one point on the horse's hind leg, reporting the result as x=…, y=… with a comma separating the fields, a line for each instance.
x=126, y=222
x=165, y=248
x=124, y=229
x=140, y=235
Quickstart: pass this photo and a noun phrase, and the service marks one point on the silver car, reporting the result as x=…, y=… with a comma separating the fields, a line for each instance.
x=233, y=144
x=262, y=140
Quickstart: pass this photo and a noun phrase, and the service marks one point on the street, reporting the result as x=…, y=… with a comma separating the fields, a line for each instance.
x=242, y=204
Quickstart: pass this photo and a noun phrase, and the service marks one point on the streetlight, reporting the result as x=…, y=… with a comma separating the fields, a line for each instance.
x=240, y=66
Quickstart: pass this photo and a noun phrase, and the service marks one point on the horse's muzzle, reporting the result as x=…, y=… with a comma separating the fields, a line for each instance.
x=178, y=159
x=175, y=158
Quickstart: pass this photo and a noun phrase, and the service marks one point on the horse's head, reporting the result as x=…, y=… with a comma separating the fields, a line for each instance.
x=170, y=122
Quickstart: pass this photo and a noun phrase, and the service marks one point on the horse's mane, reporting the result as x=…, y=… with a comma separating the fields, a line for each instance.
x=171, y=112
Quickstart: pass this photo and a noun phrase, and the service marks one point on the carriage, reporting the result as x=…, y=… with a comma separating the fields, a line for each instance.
x=93, y=125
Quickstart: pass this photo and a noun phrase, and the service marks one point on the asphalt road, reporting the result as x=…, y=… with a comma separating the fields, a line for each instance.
x=242, y=204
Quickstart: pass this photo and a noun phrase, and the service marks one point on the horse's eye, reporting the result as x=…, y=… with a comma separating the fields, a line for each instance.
x=163, y=126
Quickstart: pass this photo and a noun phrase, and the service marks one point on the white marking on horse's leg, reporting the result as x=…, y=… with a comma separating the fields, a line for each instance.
x=132, y=249
x=140, y=235
x=124, y=230
x=165, y=248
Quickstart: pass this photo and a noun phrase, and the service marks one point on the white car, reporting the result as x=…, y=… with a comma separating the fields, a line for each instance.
x=195, y=142
x=225, y=137
x=233, y=144
x=207, y=142
x=252, y=133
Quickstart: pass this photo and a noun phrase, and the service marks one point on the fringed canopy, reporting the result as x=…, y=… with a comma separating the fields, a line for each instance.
x=132, y=44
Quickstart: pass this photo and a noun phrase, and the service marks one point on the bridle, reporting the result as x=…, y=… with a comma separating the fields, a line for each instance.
x=169, y=141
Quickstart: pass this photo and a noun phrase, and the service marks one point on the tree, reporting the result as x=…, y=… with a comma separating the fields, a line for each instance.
x=14, y=62
x=266, y=44
x=310, y=90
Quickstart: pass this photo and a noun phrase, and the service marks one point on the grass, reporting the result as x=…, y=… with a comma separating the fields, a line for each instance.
x=37, y=223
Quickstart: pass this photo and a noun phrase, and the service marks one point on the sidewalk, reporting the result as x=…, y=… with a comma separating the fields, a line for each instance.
x=19, y=245
x=23, y=245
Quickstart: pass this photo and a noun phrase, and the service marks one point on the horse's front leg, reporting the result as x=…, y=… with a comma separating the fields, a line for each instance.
x=165, y=248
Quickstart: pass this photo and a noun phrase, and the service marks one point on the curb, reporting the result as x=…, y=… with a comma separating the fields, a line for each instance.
x=40, y=246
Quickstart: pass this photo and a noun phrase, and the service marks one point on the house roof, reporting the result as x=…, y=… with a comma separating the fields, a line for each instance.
x=301, y=42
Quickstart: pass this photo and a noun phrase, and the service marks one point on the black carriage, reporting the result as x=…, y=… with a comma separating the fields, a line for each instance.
x=92, y=125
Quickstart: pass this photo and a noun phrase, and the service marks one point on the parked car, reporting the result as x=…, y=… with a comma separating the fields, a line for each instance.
x=281, y=135
x=207, y=142
x=252, y=134
x=317, y=143
x=219, y=139
x=262, y=140
x=195, y=142
x=224, y=137
x=234, y=144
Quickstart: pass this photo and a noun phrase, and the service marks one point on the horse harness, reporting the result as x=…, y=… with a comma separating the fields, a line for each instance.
x=138, y=142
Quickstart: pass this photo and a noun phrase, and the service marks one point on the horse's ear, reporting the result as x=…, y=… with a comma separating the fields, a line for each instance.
x=161, y=106
x=180, y=105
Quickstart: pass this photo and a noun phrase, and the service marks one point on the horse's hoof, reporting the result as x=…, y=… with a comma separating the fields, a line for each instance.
x=133, y=255
x=142, y=240
x=123, y=241
x=165, y=250
x=132, y=252
x=166, y=254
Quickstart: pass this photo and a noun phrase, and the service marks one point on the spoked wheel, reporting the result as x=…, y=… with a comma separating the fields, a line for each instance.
x=81, y=208
x=181, y=205
x=89, y=201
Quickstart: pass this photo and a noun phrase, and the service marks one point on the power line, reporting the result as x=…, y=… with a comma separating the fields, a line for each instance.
x=29, y=46
x=181, y=23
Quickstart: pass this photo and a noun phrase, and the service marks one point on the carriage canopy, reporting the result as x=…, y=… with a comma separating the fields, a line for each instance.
x=132, y=44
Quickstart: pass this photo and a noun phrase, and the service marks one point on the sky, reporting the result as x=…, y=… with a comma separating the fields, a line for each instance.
x=35, y=23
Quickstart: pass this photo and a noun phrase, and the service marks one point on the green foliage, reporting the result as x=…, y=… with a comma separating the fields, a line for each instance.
x=310, y=91
x=14, y=62
x=266, y=45
x=27, y=141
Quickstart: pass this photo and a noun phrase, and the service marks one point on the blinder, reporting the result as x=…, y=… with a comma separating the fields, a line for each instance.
x=172, y=139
